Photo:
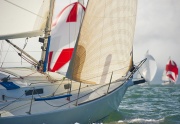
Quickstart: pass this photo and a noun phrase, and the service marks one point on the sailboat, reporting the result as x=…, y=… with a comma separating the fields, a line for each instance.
x=170, y=74
x=148, y=69
x=98, y=74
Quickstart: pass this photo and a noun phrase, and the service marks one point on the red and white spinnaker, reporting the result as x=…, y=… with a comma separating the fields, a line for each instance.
x=65, y=29
x=170, y=74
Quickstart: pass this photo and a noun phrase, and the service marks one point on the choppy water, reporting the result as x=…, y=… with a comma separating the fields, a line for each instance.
x=151, y=104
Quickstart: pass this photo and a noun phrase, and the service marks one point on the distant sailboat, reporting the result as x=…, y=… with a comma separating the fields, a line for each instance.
x=170, y=74
x=148, y=69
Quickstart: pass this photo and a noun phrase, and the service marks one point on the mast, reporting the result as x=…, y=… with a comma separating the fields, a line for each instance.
x=46, y=43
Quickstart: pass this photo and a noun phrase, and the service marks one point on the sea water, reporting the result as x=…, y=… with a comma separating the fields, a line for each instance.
x=148, y=104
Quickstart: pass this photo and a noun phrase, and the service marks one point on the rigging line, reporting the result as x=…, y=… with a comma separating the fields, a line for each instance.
x=75, y=90
x=82, y=16
x=28, y=60
x=140, y=73
x=26, y=40
x=106, y=73
x=59, y=105
x=5, y=56
x=12, y=102
x=23, y=8
x=18, y=107
x=24, y=57
x=58, y=86
x=69, y=28
x=44, y=100
x=50, y=78
x=1, y=50
x=15, y=97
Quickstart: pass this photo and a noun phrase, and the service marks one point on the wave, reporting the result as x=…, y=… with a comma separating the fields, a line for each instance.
x=175, y=119
x=140, y=121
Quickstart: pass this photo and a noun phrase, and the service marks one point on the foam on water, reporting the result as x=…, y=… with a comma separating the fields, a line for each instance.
x=144, y=121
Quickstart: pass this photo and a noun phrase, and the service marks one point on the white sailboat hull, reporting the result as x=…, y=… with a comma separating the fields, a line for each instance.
x=168, y=83
x=84, y=113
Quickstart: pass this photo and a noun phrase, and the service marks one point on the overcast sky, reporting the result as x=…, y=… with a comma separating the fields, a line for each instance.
x=157, y=30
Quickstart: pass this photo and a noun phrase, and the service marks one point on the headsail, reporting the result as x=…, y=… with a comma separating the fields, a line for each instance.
x=149, y=68
x=65, y=29
x=105, y=42
x=170, y=73
x=23, y=18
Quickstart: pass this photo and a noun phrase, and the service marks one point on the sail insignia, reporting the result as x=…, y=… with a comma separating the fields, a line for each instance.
x=65, y=29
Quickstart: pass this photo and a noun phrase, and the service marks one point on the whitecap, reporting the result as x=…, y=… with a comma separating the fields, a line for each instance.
x=142, y=121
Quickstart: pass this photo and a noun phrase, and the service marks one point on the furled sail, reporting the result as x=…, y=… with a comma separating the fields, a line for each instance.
x=105, y=42
x=149, y=68
x=170, y=73
x=65, y=29
x=23, y=18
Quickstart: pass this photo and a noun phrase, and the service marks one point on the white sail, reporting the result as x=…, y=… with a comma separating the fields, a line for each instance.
x=149, y=68
x=105, y=42
x=23, y=18
x=65, y=29
x=170, y=74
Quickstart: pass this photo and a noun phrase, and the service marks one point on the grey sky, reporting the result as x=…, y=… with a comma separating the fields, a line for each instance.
x=158, y=30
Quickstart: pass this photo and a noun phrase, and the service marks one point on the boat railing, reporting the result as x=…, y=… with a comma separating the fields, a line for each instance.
x=79, y=100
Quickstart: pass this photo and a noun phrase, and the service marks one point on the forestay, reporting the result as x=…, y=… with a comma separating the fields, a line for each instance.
x=23, y=18
x=105, y=42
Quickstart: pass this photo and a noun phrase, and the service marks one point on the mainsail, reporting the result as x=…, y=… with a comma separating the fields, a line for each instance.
x=24, y=19
x=65, y=29
x=170, y=73
x=105, y=42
